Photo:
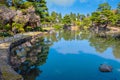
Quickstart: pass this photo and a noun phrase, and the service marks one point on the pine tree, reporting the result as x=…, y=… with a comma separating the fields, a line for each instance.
x=78, y=16
x=103, y=6
x=60, y=17
x=118, y=8
x=67, y=19
x=41, y=9
x=54, y=16
x=73, y=16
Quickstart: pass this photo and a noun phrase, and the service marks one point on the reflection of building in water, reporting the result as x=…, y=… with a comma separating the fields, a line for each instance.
x=26, y=57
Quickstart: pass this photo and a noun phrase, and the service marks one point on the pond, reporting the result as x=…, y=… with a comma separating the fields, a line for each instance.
x=71, y=55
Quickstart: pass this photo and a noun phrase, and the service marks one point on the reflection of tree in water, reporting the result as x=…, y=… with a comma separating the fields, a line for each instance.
x=31, y=75
x=102, y=44
x=67, y=35
x=116, y=49
x=99, y=44
x=35, y=56
x=84, y=35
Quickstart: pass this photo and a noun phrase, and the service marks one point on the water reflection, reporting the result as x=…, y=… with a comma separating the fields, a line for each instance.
x=78, y=55
x=25, y=59
x=64, y=46
x=87, y=40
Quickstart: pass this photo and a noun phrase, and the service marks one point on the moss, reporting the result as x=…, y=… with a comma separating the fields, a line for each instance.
x=13, y=8
x=10, y=76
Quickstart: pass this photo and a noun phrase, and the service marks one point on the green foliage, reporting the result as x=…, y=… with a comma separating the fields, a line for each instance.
x=95, y=17
x=60, y=17
x=86, y=22
x=13, y=8
x=15, y=3
x=78, y=23
x=102, y=15
x=5, y=34
x=118, y=20
x=103, y=6
x=66, y=20
x=19, y=27
x=28, y=28
x=118, y=8
x=54, y=16
x=38, y=28
x=73, y=16
x=3, y=2
x=78, y=16
x=58, y=27
x=105, y=16
x=7, y=27
x=26, y=16
x=41, y=9
x=113, y=19
x=118, y=16
x=26, y=5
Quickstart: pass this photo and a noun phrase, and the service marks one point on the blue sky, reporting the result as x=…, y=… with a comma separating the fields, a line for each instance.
x=77, y=6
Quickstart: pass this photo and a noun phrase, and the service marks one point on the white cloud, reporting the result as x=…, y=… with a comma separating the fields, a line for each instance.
x=62, y=2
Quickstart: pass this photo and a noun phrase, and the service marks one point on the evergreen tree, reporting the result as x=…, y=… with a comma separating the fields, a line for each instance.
x=60, y=17
x=103, y=6
x=88, y=15
x=67, y=19
x=78, y=16
x=16, y=3
x=73, y=16
x=41, y=9
x=118, y=8
x=82, y=16
x=54, y=17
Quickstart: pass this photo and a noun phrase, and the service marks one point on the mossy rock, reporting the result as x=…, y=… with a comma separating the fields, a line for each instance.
x=11, y=76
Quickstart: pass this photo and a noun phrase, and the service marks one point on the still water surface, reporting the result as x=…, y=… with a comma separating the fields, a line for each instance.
x=77, y=56
x=70, y=55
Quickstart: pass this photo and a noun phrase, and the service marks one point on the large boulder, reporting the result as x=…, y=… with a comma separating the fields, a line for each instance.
x=19, y=20
x=105, y=68
x=6, y=14
x=28, y=16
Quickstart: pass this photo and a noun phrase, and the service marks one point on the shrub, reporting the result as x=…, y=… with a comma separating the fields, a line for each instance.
x=5, y=34
x=18, y=27
x=7, y=27
x=26, y=5
x=58, y=27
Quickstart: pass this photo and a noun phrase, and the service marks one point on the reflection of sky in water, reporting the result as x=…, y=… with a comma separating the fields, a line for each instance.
x=77, y=60
x=76, y=47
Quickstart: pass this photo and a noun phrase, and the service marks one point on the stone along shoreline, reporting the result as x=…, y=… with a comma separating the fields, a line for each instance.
x=6, y=71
